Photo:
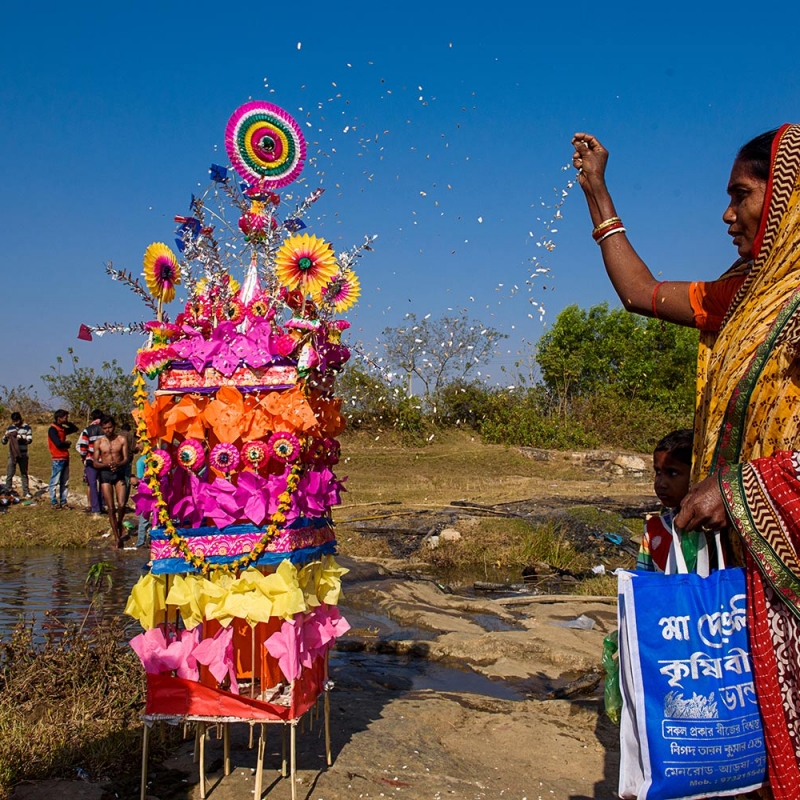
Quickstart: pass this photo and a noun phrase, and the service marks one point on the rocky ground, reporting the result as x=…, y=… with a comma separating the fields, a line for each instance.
x=438, y=694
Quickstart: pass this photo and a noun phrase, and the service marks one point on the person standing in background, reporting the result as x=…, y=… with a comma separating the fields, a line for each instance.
x=59, y=451
x=18, y=436
x=85, y=446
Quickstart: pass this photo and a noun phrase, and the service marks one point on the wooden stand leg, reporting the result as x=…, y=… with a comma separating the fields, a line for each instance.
x=262, y=744
x=327, y=707
x=250, y=743
x=226, y=748
x=196, y=750
x=293, y=752
x=145, y=743
x=202, y=726
x=283, y=750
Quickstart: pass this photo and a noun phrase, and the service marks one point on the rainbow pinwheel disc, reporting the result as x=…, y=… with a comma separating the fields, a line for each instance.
x=265, y=145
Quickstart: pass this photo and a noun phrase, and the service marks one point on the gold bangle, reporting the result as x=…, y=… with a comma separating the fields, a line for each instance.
x=605, y=224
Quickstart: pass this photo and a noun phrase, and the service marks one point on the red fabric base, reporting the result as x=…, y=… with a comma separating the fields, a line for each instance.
x=178, y=697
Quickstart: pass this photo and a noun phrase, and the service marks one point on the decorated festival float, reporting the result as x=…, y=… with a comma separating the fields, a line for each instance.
x=239, y=604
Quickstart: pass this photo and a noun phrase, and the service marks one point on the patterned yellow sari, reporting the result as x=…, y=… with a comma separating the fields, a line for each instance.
x=747, y=427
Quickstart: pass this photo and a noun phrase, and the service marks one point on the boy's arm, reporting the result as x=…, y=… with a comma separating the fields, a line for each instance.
x=26, y=434
x=124, y=451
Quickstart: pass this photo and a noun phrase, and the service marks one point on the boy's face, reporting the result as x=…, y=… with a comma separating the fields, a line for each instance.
x=671, y=482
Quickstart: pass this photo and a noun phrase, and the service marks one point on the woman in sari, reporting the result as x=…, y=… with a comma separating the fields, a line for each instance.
x=746, y=468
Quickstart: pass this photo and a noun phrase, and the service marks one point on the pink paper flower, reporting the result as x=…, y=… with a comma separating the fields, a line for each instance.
x=224, y=457
x=219, y=503
x=157, y=656
x=284, y=446
x=161, y=462
x=191, y=455
x=217, y=654
x=252, y=496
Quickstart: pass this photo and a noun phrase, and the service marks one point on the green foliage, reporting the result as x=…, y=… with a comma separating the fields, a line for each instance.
x=618, y=354
x=84, y=388
x=463, y=403
x=366, y=398
x=528, y=418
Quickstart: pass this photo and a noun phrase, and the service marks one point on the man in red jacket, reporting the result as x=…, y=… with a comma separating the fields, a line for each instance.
x=59, y=451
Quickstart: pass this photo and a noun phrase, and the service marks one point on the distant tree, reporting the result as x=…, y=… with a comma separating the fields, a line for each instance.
x=596, y=351
x=439, y=351
x=84, y=388
x=25, y=400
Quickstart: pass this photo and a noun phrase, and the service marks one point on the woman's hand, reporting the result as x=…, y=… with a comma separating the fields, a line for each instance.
x=590, y=157
x=703, y=508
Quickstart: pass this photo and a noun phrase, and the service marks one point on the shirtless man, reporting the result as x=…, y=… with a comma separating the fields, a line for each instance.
x=110, y=458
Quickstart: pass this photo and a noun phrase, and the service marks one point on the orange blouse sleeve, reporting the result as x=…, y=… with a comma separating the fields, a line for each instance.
x=710, y=300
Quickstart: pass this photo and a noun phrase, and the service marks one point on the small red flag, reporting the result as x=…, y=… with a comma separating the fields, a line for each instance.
x=85, y=333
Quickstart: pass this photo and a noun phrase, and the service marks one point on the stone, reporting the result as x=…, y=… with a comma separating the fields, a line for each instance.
x=450, y=535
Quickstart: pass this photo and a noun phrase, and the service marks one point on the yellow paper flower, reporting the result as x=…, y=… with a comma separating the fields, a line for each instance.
x=305, y=262
x=342, y=292
x=161, y=271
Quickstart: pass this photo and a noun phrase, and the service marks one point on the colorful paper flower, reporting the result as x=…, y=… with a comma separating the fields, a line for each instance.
x=342, y=292
x=232, y=310
x=191, y=455
x=197, y=311
x=151, y=362
x=161, y=271
x=224, y=457
x=162, y=332
x=284, y=446
x=161, y=462
x=260, y=309
x=255, y=454
x=305, y=262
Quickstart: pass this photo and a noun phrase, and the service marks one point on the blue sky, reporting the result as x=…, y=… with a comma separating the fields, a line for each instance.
x=110, y=117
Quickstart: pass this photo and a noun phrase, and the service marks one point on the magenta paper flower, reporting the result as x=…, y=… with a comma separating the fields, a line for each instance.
x=255, y=454
x=191, y=455
x=161, y=461
x=144, y=500
x=254, y=347
x=189, y=509
x=157, y=656
x=224, y=457
x=317, y=492
x=218, y=501
x=284, y=446
x=252, y=496
x=195, y=348
x=217, y=654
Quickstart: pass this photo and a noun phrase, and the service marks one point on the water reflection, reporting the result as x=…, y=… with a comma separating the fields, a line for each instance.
x=39, y=581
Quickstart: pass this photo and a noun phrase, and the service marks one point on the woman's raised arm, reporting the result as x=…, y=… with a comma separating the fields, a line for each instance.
x=636, y=286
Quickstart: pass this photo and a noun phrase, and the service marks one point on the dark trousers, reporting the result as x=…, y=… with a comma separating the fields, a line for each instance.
x=22, y=462
x=91, y=475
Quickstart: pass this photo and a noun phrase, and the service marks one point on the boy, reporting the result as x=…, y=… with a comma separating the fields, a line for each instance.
x=18, y=436
x=672, y=463
x=110, y=457
x=59, y=452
